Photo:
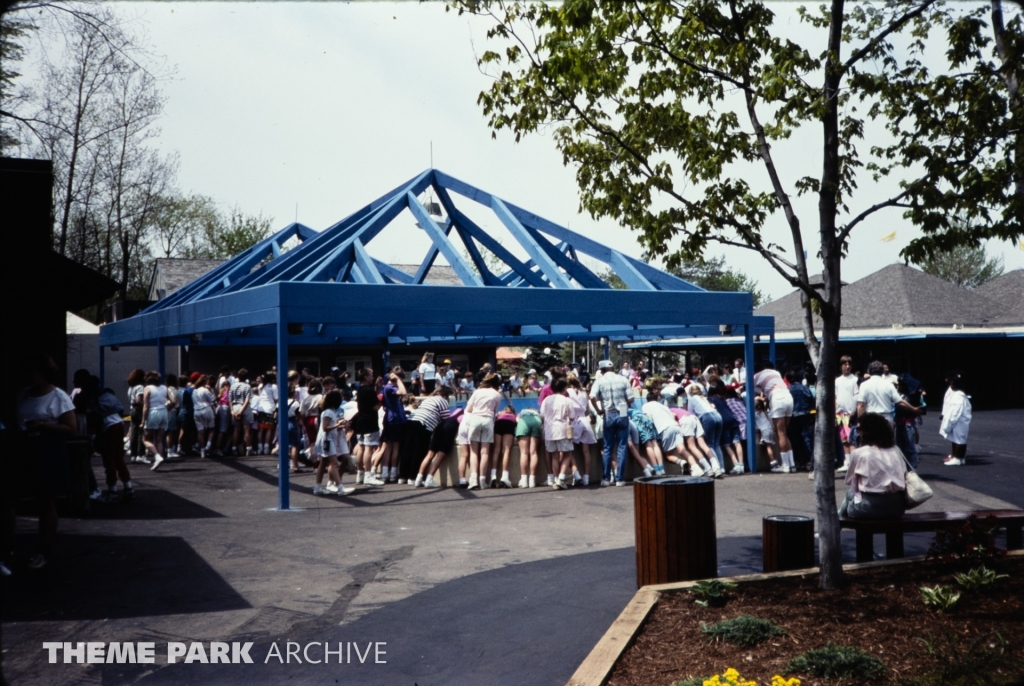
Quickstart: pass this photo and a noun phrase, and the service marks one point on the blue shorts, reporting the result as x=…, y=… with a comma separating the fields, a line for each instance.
x=730, y=435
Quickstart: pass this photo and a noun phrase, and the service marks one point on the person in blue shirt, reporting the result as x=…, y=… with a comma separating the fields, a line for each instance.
x=801, y=426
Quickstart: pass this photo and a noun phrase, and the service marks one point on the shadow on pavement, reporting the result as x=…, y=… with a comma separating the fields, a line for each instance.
x=113, y=577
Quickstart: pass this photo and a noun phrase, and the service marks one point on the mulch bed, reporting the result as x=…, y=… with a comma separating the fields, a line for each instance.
x=880, y=611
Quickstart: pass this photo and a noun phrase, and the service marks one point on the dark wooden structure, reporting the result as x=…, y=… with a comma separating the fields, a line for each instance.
x=1011, y=520
x=788, y=542
x=675, y=529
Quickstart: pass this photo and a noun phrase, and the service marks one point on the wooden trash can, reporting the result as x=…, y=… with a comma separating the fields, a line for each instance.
x=675, y=529
x=788, y=542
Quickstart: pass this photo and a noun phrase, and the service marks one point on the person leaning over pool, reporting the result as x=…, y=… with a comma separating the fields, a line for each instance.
x=877, y=474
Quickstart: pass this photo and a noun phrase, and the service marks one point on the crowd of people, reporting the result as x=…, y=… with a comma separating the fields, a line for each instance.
x=387, y=429
x=394, y=429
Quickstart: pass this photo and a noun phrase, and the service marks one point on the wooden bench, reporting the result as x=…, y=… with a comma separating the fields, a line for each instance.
x=1011, y=520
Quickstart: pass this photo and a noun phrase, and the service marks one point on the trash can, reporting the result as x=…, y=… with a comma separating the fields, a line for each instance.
x=675, y=529
x=788, y=542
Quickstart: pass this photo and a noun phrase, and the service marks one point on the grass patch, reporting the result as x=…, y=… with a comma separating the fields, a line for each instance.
x=744, y=631
x=693, y=681
x=835, y=661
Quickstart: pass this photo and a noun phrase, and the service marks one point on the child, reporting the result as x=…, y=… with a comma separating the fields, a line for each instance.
x=766, y=429
x=956, y=420
x=330, y=443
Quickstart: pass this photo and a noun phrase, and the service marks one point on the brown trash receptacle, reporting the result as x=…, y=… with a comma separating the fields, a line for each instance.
x=788, y=542
x=675, y=529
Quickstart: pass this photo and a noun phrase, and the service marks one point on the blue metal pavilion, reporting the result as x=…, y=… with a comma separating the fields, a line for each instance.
x=329, y=291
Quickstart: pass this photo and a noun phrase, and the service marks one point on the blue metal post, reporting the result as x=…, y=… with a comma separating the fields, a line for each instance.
x=607, y=350
x=282, y=414
x=103, y=368
x=748, y=364
x=387, y=363
x=161, y=363
x=771, y=347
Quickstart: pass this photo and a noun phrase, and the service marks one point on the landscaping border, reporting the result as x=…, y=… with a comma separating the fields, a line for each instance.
x=598, y=666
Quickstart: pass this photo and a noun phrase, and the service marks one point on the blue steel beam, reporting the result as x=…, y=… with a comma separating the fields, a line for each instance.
x=584, y=277
x=470, y=227
x=442, y=243
x=628, y=273
x=365, y=263
x=392, y=273
x=547, y=266
x=428, y=261
x=489, y=278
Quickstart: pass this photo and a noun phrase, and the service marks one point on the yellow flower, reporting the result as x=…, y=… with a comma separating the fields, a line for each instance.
x=779, y=681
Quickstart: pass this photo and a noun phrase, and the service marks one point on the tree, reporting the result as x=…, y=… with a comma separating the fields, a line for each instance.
x=226, y=238
x=675, y=113
x=713, y=275
x=966, y=266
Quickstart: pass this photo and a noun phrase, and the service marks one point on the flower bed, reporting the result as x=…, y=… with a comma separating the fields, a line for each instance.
x=879, y=626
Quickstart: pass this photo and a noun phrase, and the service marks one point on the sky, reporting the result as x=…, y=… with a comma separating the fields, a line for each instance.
x=311, y=110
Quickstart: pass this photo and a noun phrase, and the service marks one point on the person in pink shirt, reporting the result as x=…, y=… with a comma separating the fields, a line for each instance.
x=504, y=436
x=877, y=474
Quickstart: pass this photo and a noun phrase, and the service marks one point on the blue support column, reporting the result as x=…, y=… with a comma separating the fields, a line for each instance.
x=771, y=347
x=282, y=415
x=607, y=350
x=387, y=363
x=748, y=365
x=161, y=364
x=103, y=368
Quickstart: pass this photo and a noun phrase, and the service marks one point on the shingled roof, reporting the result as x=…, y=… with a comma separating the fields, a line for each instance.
x=1008, y=291
x=900, y=296
x=171, y=273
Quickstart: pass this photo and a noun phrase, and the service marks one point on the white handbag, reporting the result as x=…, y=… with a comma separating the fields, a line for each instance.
x=917, y=490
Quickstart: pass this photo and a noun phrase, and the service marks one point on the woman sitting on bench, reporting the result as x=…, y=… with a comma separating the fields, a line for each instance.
x=876, y=475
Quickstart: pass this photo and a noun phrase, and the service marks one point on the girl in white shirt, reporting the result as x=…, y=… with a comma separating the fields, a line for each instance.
x=557, y=411
x=202, y=411
x=956, y=420
x=266, y=413
x=330, y=445
x=428, y=373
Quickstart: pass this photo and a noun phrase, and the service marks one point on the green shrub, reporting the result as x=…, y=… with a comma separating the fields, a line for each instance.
x=693, y=681
x=974, y=541
x=744, y=631
x=978, y=578
x=985, y=660
x=835, y=661
x=940, y=598
x=712, y=593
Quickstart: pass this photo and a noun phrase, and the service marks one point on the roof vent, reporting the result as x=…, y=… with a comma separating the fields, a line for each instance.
x=897, y=326
x=958, y=327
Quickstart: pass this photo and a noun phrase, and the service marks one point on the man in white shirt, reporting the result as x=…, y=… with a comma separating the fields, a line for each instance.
x=878, y=396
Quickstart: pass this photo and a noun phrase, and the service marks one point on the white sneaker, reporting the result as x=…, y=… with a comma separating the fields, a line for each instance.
x=360, y=476
x=430, y=483
x=781, y=470
x=371, y=480
x=606, y=482
x=145, y=460
x=532, y=483
x=843, y=469
x=483, y=484
x=954, y=461
x=696, y=471
x=524, y=482
x=621, y=483
x=318, y=489
x=736, y=470
x=559, y=484
x=474, y=483
x=505, y=483
x=157, y=461
x=331, y=489
x=586, y=479
x=346, y=490
x=418, y=483
x=401, y=482
x=551, y=480
x=648, y=471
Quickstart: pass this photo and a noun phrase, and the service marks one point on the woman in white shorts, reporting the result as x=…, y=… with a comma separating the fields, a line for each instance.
x=582, y=432
x=556, y=411
x=670, y=435
x=202, y=402
x=479, y=426
x=693, y=438
x=770, y=384
x=154, y=417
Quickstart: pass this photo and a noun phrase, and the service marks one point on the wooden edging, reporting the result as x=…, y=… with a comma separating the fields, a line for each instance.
x=597, y=667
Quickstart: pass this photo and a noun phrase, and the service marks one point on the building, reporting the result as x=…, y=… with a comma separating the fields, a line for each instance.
x=915, y=322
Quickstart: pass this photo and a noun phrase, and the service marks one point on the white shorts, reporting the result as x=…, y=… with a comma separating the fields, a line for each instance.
x=562, y=446
x=157, y=419
x=479, y=428
x=372, y=439
x=462, y=437
x=582, y=432
x=689, y=425
x=670, y=439
x=204, y=418
x=781, y=404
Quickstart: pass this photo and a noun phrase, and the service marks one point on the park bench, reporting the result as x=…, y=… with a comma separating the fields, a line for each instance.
x=1011, y=520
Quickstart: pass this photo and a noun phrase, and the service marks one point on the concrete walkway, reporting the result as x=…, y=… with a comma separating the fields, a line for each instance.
x=499, y=587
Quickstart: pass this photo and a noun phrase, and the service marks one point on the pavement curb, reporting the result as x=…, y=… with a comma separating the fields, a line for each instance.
x=597, y=667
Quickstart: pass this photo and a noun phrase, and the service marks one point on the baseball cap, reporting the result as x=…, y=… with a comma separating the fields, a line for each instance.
x=194, y=377
x=604, y=364
x=447, y=361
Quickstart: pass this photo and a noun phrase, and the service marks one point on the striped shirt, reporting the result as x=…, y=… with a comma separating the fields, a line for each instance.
x=431, y=412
